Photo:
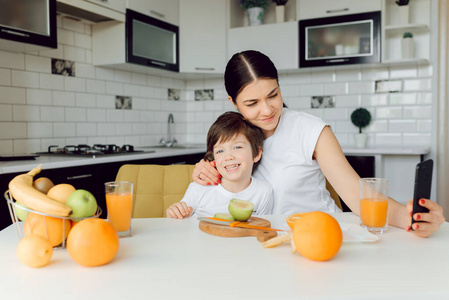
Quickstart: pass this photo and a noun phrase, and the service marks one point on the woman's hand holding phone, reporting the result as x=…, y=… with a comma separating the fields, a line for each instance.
x=430, y=222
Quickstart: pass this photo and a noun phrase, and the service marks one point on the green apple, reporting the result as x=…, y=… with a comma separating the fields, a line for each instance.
x=21, y=213
x=82, y=203
x=224, y=216
x=240, y=210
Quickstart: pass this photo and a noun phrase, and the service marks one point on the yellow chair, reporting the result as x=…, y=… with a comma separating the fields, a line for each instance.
x=156, y=187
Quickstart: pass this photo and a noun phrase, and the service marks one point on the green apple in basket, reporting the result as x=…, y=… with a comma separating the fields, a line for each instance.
x=240, y=210
x=20, y=212
x=82, y=203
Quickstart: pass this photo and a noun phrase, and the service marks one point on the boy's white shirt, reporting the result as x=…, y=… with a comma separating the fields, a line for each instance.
x=208, y=200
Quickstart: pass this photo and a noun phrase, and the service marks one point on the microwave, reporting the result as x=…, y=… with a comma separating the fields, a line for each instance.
x=151, y=42
x=340, y=40
x=28, y=25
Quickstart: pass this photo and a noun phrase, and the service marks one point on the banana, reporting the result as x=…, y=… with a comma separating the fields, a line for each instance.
x=21, y=188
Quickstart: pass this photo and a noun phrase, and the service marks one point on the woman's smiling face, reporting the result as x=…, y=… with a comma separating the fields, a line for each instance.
x=260, y=102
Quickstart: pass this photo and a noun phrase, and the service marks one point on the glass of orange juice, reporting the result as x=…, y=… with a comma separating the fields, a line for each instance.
x=119, y=204
x=374, y=204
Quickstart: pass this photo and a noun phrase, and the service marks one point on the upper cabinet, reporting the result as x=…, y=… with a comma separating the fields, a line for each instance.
x=311, y=9
x=27, y=26
x=202, y=29
x=164, y=10
x=94, y=10
x=412, y=19
x=278, y=41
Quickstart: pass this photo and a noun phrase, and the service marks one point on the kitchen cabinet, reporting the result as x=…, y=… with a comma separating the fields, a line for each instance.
x=167, y=11
x=278, y=41
x=202, y=36
x=94, y=10
x=394, y=28
x=310, y=9
x=90, y=178
x=28, y=26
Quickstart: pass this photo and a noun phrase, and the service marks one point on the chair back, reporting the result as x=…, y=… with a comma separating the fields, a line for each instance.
x=156, y=187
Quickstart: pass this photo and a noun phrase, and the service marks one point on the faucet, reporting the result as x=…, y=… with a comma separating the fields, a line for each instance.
x=169, y=142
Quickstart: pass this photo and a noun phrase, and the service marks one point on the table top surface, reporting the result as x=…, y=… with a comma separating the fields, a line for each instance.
x=173, y=259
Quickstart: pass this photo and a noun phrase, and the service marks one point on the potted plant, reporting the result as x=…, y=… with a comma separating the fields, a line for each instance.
x=361, y=118
x=255, y=10
x=407, y=46
x=280, y=10
x=403, y=11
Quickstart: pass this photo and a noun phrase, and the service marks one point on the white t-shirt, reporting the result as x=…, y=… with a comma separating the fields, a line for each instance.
x=287, y=164
x=208, y=200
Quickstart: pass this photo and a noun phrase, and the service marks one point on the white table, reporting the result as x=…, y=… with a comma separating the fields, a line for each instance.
x=173, y=259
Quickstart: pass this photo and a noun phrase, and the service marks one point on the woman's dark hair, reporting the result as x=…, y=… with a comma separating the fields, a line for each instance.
x=226, y=127
x=245, y=67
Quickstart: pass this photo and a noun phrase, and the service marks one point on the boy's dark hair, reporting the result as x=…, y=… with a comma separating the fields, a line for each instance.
x=226, y=127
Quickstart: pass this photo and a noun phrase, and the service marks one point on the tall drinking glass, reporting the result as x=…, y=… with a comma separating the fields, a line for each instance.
x=119, y=203
x=374, y=204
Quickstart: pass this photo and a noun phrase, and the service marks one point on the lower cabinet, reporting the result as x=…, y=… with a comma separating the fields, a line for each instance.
x=90, y=178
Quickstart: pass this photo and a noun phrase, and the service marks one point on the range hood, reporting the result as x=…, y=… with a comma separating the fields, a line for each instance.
x=81, y=9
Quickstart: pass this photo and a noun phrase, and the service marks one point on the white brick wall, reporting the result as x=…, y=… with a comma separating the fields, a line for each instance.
x=38, y=109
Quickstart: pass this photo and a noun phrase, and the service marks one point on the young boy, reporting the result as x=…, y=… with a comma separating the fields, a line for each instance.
x=236, y=147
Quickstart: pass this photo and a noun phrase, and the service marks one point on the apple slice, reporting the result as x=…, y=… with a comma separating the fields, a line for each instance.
x=225, y=216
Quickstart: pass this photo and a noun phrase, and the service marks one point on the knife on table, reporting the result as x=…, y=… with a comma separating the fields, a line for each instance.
x=235, y=224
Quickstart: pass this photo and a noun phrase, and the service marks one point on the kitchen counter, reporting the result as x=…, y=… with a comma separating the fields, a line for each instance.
x=54, y=162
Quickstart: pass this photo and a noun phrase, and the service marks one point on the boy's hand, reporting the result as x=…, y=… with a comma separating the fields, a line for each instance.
x=179, y=210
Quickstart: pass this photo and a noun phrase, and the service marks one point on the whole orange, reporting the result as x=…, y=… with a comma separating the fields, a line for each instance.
x=34, y=251
x=49, y=228
x=317, y=236
x=92, y=242
x=61, y=192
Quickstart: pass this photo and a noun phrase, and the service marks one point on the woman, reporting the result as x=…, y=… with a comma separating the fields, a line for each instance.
x=299, y=150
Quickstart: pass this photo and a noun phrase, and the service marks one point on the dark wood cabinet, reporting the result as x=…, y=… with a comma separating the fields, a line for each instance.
x=90, y=178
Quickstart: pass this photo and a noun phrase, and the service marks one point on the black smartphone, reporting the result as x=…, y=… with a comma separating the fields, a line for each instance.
x=423, y=186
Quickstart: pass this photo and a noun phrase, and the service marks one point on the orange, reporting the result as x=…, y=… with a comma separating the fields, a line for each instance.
x=61, y=192
x=317, y=236
x=93, y=242
x=34, y=251
x=291, y=220
x=50, y=228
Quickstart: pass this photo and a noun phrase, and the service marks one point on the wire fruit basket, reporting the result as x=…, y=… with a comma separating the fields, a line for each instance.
x=14, y=207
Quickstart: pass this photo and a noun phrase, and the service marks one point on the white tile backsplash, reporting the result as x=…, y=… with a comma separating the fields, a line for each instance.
x=12, y=60
x=37, y=64
x=38, y=109
x=25, y=79
x=12, y=95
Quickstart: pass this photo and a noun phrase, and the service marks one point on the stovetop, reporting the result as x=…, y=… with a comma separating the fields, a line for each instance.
x=86, y=150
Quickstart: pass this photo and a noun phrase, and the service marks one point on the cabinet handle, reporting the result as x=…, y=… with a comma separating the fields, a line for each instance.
x=157, y=14
x=336, y=10
x=79, y=176
x=204, y=69
x=15, y=32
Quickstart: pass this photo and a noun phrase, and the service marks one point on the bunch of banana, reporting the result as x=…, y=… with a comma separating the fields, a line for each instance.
x=21, y=188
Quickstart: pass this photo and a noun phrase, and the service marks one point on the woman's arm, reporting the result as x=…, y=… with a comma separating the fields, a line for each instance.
x=345, y=181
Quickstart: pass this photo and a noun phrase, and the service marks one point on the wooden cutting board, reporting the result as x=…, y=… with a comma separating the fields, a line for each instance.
x=227, y=231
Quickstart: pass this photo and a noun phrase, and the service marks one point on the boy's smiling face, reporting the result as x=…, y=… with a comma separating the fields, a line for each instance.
x=234, y=159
